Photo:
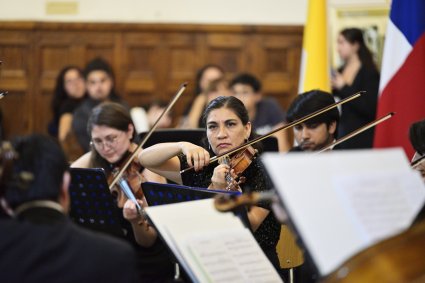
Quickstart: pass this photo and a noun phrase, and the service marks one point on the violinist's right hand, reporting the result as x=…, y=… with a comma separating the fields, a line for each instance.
x=130, y=212
x=196, y=156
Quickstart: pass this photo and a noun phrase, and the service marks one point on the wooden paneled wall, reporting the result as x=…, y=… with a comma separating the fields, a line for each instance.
x=150, y=61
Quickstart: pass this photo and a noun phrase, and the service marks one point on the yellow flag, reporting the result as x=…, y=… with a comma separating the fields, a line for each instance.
x=315, y=66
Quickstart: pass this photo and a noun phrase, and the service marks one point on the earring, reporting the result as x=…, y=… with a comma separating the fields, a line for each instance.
x=209, y=147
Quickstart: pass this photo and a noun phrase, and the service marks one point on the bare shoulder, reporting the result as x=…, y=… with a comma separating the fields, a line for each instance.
x=82, y=162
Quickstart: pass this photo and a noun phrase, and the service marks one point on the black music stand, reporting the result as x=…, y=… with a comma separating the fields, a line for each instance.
x=270, y=144
x=92, y=205
x=159, y=194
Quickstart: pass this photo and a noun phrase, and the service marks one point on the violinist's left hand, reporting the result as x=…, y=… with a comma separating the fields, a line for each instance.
x=218, y=179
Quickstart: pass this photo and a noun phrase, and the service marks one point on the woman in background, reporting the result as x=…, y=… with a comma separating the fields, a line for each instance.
x=204, y=77
x=216, y=88
x=357, y=73
x=69, y=91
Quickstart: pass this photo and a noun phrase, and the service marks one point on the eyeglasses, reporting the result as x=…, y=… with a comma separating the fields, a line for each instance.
x=109, y=141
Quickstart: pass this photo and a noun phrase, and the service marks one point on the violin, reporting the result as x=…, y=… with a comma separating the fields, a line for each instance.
x=129, y=167
x=225, y=202
x=134, y=179
x=238, y=162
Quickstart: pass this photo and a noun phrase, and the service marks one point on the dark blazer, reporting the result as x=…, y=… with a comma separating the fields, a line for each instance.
x=45, y=246
x=360, y=111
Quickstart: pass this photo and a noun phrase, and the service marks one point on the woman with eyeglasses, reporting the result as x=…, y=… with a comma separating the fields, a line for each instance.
x=112, y=136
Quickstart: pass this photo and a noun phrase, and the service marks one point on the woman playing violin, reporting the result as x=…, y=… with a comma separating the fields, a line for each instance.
x=112, y=142
x=227, y=126
x=112, y=133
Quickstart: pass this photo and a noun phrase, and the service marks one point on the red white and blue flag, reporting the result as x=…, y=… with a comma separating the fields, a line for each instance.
x=402, y=85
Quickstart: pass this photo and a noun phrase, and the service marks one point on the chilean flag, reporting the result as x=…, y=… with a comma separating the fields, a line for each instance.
x=402, y=85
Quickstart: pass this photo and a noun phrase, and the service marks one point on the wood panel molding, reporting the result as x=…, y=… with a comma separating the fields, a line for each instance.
x=150, y=61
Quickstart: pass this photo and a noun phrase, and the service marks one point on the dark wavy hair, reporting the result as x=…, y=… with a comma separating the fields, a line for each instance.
x=99, y=64
x=247, y=79
x=309, y=102
x=60, y=94
x=200, y=74
x=355, y=35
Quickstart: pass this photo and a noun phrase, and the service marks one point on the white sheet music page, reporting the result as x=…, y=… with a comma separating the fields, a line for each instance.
x=201, y=237
x=340, y=201
x=231, y=256
x=382, y=204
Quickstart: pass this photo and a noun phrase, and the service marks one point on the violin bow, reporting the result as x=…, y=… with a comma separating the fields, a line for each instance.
x=356, y=132
x=285, y=127
x=417, y=161
x=147, y=136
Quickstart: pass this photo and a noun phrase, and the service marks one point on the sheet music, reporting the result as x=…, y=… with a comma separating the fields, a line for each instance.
x=381, y=204
x=316, y=191
x=201, y=238
x=231, y=256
